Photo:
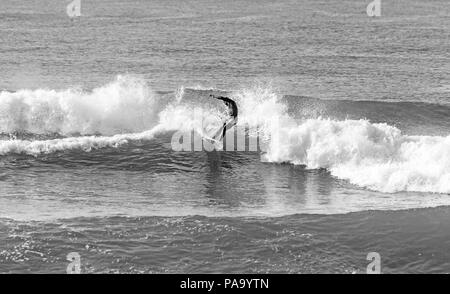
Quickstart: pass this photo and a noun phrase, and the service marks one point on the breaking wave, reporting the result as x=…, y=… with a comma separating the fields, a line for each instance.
x=125, y=105
x=377, y=156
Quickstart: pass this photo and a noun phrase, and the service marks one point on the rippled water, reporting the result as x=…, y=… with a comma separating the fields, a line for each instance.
x=90, y=105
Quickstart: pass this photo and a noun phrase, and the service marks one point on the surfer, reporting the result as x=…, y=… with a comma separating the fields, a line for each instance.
x=231, y=121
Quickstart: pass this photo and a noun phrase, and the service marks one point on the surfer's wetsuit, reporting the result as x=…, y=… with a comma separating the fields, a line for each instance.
x=232, y=111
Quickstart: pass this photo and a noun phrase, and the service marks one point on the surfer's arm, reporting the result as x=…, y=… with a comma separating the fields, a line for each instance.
x=224, y=99
x=218, y=97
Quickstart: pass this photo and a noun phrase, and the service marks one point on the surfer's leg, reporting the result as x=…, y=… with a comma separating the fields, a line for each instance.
x=224, y=130
x=220, y=132
x=228, y=125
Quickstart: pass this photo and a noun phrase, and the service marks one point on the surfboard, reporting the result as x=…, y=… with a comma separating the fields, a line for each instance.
x=206, y=137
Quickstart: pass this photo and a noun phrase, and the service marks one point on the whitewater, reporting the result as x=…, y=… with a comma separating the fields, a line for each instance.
x=376, y=156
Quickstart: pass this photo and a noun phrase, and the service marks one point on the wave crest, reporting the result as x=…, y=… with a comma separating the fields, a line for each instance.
x=375, y=156
x=122, y=106
x=372, y=155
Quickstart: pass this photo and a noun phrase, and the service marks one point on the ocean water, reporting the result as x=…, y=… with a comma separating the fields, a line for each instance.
x=353, y=113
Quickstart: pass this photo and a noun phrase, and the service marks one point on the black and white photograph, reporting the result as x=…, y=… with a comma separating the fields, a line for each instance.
x=229, y=137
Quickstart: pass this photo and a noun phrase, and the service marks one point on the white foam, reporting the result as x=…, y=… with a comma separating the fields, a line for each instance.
x=375, y=156
x=124, y=106
x=85, y=143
